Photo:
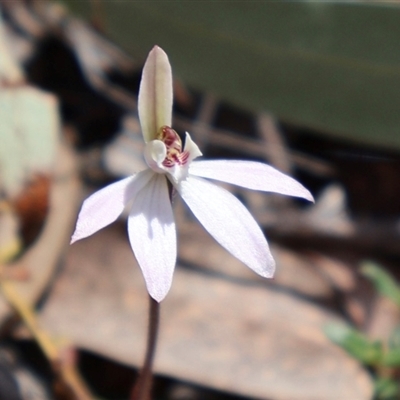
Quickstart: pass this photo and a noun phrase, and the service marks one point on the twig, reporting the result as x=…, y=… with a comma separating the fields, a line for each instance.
x=66, y=370
x=273, y=138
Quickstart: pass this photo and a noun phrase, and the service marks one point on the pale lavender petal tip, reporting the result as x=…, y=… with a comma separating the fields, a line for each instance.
x=106, y=205
x=251, y=175
x=229, y=222
x=152, y=235
x=155, y=94
x=101, y=209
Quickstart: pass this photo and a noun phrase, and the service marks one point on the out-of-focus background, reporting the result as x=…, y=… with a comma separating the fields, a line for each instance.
x=312, y=88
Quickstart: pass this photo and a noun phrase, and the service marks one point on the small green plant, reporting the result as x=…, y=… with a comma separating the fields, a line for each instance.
x=383, y=358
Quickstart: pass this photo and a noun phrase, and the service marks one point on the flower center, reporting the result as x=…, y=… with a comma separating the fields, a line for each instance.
x=173, y=144
x=164, y=154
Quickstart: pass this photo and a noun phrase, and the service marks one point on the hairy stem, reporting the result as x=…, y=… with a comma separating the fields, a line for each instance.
x=142, y=388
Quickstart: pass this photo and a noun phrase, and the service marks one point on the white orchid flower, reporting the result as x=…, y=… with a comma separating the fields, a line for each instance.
x=151, y=225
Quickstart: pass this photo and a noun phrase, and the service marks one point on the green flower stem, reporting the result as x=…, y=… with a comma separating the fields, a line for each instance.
x=142, y=388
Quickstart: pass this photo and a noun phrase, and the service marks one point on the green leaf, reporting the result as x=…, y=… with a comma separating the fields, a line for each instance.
x=386, y=389
x=394, y=340
x=355, y=343
x=392, y=358
x=325, y=65
x=384, y=283
x=392, y=355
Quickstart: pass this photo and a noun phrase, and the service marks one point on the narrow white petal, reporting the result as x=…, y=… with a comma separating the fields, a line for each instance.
x=229, y=222
x=155, y=94
x=251, y=175
x=104, y=207
x=152, y=235
x=192, y=148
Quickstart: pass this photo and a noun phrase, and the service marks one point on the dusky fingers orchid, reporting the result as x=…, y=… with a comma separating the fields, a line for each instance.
x=151, y=225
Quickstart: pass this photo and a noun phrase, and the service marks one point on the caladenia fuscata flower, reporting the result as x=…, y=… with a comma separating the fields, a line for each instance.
x=171, y=163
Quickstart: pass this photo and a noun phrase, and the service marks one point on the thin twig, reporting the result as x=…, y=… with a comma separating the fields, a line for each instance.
x=273, y=138
x=66, y=371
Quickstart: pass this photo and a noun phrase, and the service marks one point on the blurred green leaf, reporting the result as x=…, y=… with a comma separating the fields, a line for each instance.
x=355, y=343
x=384, y=283
x=392, y=358
x=386, y=389
x=330, y=66
x=394, y=340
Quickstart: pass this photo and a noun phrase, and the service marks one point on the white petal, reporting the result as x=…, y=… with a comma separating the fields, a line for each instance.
x=229, y=222
x=192, y=148
x=177, y=173
x=251, y=175
x=155, y=94
x=104, y=207
x=155, y=152
x=152, y=235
